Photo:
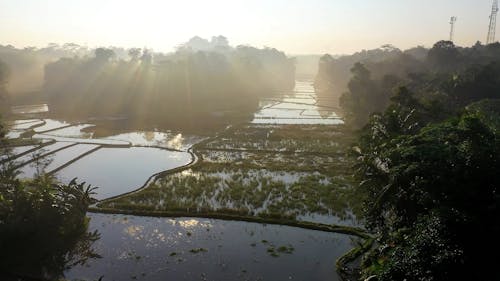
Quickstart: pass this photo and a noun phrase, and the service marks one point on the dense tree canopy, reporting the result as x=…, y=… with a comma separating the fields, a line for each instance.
x=203, y=83
x=428, y=159
x=443, y=70
x=439, y=183
x=184, y=88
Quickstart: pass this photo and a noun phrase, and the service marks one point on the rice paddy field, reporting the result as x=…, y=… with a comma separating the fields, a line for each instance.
x=239, y=204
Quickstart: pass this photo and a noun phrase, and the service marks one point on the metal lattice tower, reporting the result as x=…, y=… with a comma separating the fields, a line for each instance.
x=453, y=20
x=493, y=23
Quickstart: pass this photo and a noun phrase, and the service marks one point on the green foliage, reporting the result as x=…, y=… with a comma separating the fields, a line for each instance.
x=265, y=172
x=43, y=225
x=422, y=253
x=427, y=167
x=446, y=78
x=432, y=193
x=365, y=96
x=487, y=110
x=189, y=88
x=444, y=56
x=334, y=73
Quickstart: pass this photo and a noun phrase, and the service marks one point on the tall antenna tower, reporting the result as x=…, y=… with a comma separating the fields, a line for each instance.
x=453, y=20
x=493, y=23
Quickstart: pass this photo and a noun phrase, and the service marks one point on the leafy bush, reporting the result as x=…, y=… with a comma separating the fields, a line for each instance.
x=43, y=225
x=432, y=195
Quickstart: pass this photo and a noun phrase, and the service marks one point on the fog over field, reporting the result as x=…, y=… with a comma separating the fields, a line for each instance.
x=249, y=140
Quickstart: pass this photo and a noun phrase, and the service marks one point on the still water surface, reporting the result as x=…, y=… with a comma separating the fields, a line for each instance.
x=157, y=249
x=120, y=170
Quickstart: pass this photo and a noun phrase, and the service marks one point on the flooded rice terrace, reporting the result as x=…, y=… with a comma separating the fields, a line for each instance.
x=147, y=248
x=302, y=106
x=116, y=164
x=120, y=163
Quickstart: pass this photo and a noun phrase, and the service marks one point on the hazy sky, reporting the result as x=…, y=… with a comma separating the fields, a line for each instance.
x=295, y=26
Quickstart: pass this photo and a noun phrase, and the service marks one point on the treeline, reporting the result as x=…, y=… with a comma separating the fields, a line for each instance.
x=203, y=83
x=427, y=162
x=26, y=65
x=379, y=71
x=334, y=73
x=4, y=97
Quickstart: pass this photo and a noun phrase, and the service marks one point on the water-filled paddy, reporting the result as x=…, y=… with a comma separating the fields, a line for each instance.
x=18, y=127
x=15, y=151
x=169, y=140
x=64, y=156
x=247, y=192
x=30, y=109
x=81, y=133
x=308, y=121
x=14, y=134
x=26, y=125
x=72, y=131
x=42, y=151
x=50, y=124
x=301, y=106
x=120, y=170
x=24, y=121
x=81, y=140
x=297, y=171
x=291, y=138
x=153, y=249
x=288, y=172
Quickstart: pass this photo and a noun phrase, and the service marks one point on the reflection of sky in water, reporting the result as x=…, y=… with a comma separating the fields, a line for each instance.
x=189, y=223
x=161, y=249
x=23, y=121
x=14, y=134
x=289, y=105
x=120, y=170
x=16, y=151
x=301, y=107
x=24, y=126
x=319, y=113
x=64, y=156
x=309, y=121
x=80, y=140
x=42, y=151
x=161, y=139
x=18, y=127
x=278, y=113
x=304, y=100
x=51, y=124
x=147, y=138
x=114, y=170
x=73, y=131
x=27, y=109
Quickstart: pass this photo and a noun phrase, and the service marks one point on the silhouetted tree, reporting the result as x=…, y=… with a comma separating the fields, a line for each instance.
x=43, y=224
x=444, y=56
x=4, y=98
x=134, y=53
x=187, y=88
x=104, y=55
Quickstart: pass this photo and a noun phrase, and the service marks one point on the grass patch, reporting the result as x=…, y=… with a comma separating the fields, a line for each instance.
x=198, y=250
x=296, y=172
